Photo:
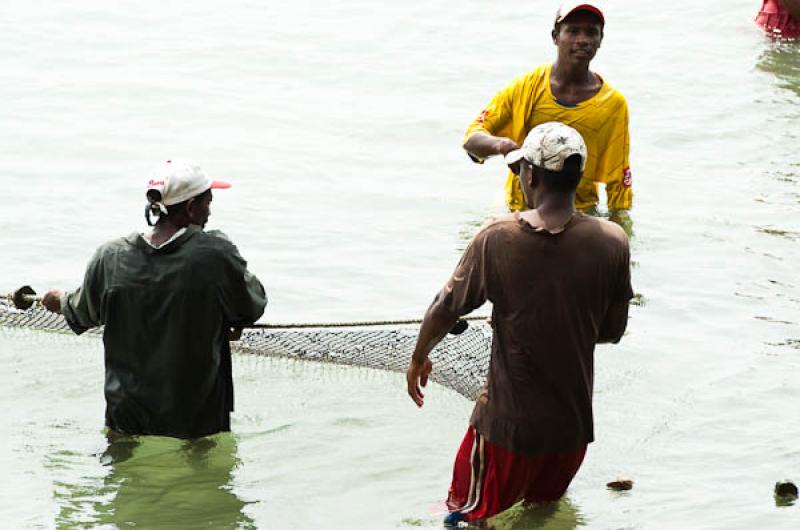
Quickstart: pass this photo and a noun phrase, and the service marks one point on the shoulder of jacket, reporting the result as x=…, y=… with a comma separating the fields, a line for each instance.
x=218, y=234
x=118, y=244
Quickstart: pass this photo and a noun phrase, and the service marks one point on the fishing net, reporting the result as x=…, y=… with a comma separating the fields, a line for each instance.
x=460, y=361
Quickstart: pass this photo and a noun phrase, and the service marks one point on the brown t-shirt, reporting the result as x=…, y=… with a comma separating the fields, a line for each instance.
x=550, y=293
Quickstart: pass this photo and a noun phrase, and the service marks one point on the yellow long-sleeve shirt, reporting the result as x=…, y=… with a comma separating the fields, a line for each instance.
x=602, y=120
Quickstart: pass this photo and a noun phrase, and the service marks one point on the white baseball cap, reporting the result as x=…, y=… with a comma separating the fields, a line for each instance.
x=548, y=145
x=567, y=8
x=178, y=181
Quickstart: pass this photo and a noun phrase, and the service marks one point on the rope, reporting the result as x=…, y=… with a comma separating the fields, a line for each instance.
x=25, y=297
x=352, y=324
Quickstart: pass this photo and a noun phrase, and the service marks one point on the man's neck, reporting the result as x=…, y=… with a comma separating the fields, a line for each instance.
x=552, y=212
x=576, y=74
x=163, y=232
x=573, y=82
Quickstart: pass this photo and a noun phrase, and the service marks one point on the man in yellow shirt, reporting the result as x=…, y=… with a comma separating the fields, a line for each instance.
x=567, y=92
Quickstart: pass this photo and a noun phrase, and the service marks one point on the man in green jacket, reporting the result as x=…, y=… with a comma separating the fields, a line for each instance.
x=168, y=300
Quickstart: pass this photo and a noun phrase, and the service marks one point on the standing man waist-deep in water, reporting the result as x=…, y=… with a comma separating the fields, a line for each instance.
x=568, y=92
x=168, y=300
x=559, y=282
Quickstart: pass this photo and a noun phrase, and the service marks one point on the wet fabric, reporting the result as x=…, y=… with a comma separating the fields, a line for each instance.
x=602, y=120
x=550, y=295
x=167, y=313
x=488, y=479
x=777, y=20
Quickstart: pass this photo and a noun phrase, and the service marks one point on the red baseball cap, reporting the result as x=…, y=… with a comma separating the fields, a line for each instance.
x=567, y=8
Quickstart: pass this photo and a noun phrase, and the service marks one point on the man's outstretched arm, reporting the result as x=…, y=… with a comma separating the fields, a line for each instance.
x=464, y=292
x=482, y=145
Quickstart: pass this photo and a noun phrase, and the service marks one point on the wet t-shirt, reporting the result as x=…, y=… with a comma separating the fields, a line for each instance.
x=167, y=312
x=602, y=121
x=550, y=294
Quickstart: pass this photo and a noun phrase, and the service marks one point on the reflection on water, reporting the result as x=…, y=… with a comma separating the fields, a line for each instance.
x=783, y=60
x=561, y=515
x=156, y=482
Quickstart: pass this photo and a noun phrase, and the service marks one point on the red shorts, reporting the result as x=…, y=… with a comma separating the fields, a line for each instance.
x=488, y=479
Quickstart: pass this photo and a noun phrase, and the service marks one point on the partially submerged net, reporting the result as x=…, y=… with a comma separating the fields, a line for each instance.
x=460, y=361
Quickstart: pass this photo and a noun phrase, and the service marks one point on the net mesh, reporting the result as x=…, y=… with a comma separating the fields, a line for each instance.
x=460, y=362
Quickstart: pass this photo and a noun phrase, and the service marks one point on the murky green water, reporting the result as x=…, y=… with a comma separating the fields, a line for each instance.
x=340, y=126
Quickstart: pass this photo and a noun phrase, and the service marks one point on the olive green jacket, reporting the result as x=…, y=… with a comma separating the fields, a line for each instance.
x=167, y=313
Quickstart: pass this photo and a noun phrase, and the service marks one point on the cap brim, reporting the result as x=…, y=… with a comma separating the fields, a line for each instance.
x=583, y=7
x=219, y=185
x=512, y=157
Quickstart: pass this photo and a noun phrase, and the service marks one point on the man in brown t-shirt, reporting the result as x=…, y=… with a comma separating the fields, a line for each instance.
x=559, y=281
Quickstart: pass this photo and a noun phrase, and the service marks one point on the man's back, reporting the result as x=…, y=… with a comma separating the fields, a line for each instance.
x=550, y=294
x=167, y=312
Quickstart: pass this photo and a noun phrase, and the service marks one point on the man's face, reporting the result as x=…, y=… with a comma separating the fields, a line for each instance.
x=578, y=37
x=199, y=209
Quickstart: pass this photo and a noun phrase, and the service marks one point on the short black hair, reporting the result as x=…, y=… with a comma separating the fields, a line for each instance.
x=177, y=208
x=151, y=210
x=566, y=180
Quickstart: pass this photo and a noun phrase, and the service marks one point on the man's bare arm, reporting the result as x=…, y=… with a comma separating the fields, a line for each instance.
x=614, y=324
x=434, y=327
x=793, y=7
x=483, y=145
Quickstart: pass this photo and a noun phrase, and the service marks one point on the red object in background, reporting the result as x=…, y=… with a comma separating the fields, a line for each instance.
x=776, y=20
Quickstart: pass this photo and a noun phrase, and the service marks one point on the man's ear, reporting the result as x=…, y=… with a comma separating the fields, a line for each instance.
x=189, y=208
x=554, y=34
x=533, y=179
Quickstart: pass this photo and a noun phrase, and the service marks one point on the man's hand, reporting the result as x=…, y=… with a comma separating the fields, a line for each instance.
x=417, y=378
x=505, y=145
x=513, y=160
x=234, y=334
x=52, y=300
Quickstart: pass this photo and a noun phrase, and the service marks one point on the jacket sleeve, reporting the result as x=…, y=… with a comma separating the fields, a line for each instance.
x=82, y=308
x=242, y=296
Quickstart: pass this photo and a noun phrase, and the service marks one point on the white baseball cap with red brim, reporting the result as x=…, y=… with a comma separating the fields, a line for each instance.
x=178, y=181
